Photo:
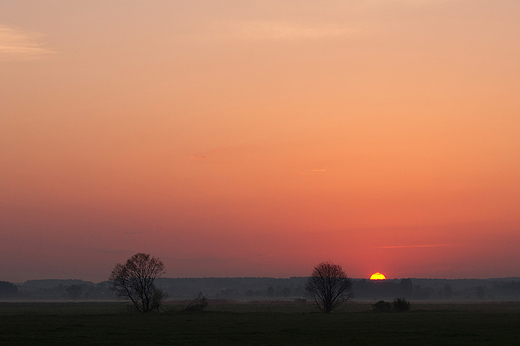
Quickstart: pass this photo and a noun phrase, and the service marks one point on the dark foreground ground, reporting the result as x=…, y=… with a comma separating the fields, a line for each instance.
x=259, y=323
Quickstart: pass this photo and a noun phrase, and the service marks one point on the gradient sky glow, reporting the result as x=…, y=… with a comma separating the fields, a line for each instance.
x=258, y=138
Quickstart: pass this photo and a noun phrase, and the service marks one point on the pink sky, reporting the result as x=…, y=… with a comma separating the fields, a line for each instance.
x=259, y=138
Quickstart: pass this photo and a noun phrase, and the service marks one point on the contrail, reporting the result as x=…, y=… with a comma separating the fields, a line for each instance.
x=410, y=246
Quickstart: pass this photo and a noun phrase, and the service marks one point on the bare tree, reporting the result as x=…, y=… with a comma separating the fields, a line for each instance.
x=328, y=286
x=134, y=280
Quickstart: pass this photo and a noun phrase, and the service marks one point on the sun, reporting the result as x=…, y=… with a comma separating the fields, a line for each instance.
x=377, y=276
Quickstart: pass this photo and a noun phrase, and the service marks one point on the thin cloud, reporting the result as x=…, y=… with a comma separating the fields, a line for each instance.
x=273, y=30
x=411, y=246
x=289, y=31
x=21, y=45
x=205, y=155
x=198, y=157
x=408, y=2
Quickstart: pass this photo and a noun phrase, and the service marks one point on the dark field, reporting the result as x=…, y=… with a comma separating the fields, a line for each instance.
x=259, y=323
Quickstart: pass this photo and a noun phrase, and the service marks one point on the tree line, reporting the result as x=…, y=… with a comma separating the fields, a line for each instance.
x=328, y=286
x=251, y=288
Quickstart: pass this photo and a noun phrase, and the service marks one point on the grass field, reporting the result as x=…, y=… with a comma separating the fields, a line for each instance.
x=259, y=323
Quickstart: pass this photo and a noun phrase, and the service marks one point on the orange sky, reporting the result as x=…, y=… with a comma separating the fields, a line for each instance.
x=258, y=138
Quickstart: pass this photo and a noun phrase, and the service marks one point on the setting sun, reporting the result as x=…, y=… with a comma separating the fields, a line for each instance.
x=377, y=276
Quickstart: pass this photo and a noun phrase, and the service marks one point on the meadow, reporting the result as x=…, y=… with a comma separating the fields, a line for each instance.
x=259, y=323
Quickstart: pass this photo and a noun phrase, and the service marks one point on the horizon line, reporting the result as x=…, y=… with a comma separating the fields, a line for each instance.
x=277, y=278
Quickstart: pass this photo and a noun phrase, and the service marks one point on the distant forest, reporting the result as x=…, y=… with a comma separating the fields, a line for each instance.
x=271, y=289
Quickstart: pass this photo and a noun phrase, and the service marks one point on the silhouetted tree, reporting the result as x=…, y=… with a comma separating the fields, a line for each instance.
x=7, y=289
x=448, y=292
x=74, y=291
x=134, y=280
x=270, y=291
x=406, y=287
x=286, y=292
x=328, y=286
x=481, y=293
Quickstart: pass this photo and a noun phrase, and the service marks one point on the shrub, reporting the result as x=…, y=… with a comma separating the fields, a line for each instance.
x=381, y=306
x=198, y=304
x=400, y=304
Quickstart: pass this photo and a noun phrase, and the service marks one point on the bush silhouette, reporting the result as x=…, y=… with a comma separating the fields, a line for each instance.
x=381, y=306
x=400, y=304
x=198, y=304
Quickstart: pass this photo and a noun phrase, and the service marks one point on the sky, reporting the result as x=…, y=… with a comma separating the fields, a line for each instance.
x=260, y=138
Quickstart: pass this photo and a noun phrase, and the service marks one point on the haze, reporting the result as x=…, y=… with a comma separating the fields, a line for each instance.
x=259, y=138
